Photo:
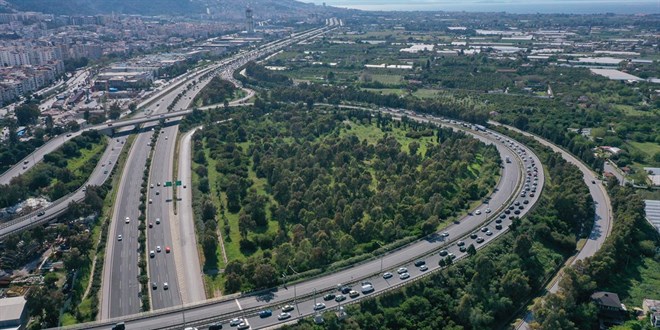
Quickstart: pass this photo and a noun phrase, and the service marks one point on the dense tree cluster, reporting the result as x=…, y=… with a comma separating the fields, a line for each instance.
x=330, y=194
x=52, y=177
x=216, y=91
x=483, y=291
x=258, y=74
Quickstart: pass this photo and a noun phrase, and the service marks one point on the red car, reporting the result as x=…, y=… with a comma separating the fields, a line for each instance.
x=167, y=249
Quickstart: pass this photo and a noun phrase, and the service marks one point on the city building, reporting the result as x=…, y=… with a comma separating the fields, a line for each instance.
x=249, y=21
x=14, y=314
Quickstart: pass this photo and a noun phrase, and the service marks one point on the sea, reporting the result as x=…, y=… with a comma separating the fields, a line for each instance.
x=509, y=6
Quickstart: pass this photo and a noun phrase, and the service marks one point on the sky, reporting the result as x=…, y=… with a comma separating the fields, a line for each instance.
x=513, y=6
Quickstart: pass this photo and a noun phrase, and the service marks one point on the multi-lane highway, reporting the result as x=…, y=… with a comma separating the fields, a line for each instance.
x=602, y=218
x=507, y=195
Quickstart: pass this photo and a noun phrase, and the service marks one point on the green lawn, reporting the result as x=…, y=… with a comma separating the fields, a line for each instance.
x=372, y=134
x=387, y=79
x=75, y=164
x=637, y=281
x=649, y=148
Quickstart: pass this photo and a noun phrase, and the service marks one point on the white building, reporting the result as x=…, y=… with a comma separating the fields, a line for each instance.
x=14, y=314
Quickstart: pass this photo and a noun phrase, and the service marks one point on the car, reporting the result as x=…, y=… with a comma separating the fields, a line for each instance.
x=498, y=220
x=488, y=210
x=167, y=249
x=158, y=221
x=152, y=185
x=526, y=201
x=498, y=226
x=531, y=195
x=387, y=275
x=367, y=287
x=165, y=286
x=477, y=212
x=480, y=240
x=484, y=229
x=157, y=192
x=158, y=184
x=516, y=203
x=420, y=263
x=151, y=201
x=127, y=220
x=158, y=249
x=151, y=224
x=41, y=213
x=502, y=216
x=215, y=326
x=319, y=306
x=353, y=294
x=460, y=243
x=287, y=308
x=243, y=326
x=507, y=211
x=345, y=290
x=473, y=236
x=402, y=270
x=489, y=233
x=462, y=249
x=283, y=316
x=445, y=234
x=24, y=167
x=516, y=212
x=593, y=181
x=235, y=321
x=154, y=285
x=152, y=253
x=329, y=296
x=404, y=276
x=119, y=238
x=423, y=268
x=340, y=297
x=521, y=207
x=184, y=186
x=443, y=253
x=265, y=313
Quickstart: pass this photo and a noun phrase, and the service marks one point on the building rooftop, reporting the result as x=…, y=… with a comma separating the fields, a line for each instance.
x=12, y=308
x=652, y=209
x=608, y=299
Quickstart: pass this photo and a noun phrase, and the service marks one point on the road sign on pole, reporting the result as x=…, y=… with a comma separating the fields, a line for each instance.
x=178, y=183
x=168, y=183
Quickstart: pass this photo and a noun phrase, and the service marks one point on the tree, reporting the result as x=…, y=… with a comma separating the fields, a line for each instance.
x=115, y=111
x=27, y=114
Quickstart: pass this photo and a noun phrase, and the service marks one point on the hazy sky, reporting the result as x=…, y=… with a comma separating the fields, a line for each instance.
x=578, y=6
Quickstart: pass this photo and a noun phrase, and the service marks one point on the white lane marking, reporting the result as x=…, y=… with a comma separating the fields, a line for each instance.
x=238, y=304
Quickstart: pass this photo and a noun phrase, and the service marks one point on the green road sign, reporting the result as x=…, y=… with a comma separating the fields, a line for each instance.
x=178, y=183
x=168, y=183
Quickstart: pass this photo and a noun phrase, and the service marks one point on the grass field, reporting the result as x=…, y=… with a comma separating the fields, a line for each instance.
x=75, y=164
x=648, y=148
x=629, y=110
x=638, y=281
x=420, y=93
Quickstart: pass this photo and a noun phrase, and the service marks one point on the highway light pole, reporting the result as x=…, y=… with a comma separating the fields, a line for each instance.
x=381, y=256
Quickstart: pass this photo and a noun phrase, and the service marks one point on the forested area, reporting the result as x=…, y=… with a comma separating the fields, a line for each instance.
x=632, y=238
x=216, y=91
x=313, y=187
x=60, y=173
x=486, y=290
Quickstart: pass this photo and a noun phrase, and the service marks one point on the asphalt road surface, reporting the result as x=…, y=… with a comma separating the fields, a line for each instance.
x=186, y=241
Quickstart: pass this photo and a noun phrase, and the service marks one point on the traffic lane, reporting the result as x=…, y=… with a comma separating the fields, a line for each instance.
x=160, y=235
x=124, y=272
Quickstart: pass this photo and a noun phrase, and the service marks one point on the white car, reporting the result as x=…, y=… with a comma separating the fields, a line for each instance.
x=128, y=220
x=165, y=286
x=402, y=270
x=235, y=321
x=319, y=306
x=283, y=316
x=477, y=212
x=119, y=238
x=404, y=276
x=158, y=249
x=152, y=253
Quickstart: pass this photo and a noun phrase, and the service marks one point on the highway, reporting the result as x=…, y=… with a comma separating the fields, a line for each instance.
x=299, y=294
x=602, y=219
x=185, y=240
x=99, y=175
